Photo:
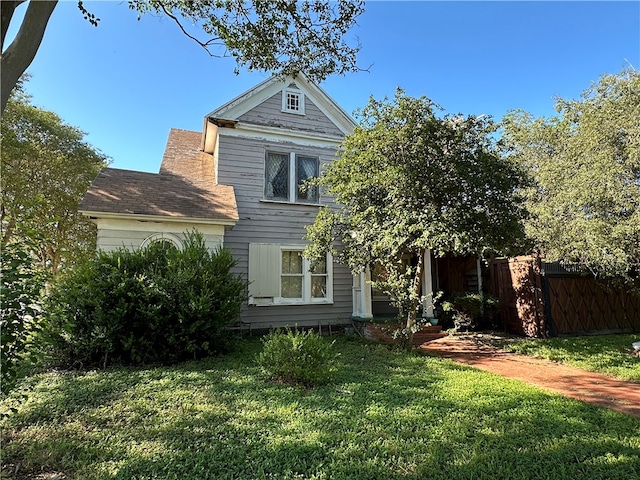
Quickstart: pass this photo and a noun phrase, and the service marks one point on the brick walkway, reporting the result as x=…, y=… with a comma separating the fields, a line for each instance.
x=569, y=381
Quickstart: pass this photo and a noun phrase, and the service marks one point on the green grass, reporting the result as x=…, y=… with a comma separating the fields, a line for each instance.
x=607, y=354
x=388, y=414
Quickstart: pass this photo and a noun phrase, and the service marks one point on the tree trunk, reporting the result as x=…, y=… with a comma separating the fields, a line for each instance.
x=17, y=57
x=413, y=311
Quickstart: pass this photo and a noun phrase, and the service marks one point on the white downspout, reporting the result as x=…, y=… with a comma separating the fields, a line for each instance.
x=365, y=294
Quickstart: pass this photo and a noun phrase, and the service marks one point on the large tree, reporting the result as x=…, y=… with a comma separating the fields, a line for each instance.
x=586, y=163
x=287, y=37
x=408, y=181
x=46, y=168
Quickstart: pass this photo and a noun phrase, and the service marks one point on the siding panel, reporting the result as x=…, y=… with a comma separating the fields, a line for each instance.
x=241, y=164
x=131, y=234
x=269, y=113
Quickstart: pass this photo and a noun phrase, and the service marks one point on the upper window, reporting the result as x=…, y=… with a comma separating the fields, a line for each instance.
x=293, y=101
x=285, y=177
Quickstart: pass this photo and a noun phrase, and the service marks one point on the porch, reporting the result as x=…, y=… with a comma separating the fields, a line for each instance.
x=449, y=274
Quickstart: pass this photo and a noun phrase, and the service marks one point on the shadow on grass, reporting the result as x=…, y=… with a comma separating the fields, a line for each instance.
x=387, y=414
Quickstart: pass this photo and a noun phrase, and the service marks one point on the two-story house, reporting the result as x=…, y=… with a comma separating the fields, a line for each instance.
x=238, y=183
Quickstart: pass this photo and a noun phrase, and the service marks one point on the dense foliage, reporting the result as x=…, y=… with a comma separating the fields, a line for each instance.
x=20, y=284
x=46, y=169
x=284, y=37
x=409, y=181
x=585, y=203
x=155, y=304
x=470, y=311
x=294, y=356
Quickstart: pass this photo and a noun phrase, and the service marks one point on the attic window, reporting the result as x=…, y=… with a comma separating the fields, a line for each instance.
x=293, y=101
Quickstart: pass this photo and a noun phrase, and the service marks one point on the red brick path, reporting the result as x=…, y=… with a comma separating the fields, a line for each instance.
x=569, y=381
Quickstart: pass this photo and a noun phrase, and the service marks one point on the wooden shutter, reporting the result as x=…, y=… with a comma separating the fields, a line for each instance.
x=264, y=270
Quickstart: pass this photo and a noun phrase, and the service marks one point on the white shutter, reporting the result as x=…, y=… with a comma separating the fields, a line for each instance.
x=264, y=270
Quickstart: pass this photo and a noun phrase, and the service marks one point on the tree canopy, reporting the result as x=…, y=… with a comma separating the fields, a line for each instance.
x=585, y=201
x=46, y=169
x=285, y=37
x=408, y=181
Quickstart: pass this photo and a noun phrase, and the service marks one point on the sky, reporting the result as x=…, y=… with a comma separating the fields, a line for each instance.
x=127, y=82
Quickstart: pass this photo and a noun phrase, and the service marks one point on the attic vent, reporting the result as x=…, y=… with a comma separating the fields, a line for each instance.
x=293, y=101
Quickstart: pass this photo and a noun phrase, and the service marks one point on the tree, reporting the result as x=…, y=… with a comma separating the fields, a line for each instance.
x=46, y=169
x=283, y=36
x=586, y=164
x=407, y=181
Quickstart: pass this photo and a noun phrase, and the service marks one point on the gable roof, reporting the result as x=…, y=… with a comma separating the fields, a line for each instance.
x=240, y=105
x=185, y=188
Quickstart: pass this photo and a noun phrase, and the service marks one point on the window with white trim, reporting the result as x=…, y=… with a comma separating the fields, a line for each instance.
x=167, y=239
x=286, y=174
x=280, y=275
x=293, y=101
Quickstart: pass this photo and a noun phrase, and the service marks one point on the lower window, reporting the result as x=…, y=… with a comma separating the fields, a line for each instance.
x=294, y=282
x=298, y=280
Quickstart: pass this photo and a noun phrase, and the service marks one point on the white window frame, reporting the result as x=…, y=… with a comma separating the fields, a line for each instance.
x=159, y=237
x=269, y=261
x=293, y=177
x=285, y=101
x=306, y=280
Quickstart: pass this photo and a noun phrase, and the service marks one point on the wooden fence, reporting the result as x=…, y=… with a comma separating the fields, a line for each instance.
x=539, y=299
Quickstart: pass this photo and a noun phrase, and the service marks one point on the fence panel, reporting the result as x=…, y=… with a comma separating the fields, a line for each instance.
x=583, y=304
x=538, y=299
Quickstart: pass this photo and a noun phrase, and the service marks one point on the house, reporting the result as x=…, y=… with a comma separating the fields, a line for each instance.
x=238, y=183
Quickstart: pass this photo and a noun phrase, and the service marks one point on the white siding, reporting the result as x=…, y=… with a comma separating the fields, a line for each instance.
x=114, y=234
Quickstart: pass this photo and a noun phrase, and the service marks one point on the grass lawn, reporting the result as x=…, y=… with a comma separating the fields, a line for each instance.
x=607, y=354
x=387, y=415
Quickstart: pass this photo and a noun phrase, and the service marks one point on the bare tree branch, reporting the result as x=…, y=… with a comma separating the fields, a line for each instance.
x=204, y=45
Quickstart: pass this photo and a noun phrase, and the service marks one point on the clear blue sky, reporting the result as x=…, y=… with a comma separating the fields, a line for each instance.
x=127, y=82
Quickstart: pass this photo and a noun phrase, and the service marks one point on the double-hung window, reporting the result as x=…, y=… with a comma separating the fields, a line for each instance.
x=285, y=177
x=279, y=274
x=299, y=281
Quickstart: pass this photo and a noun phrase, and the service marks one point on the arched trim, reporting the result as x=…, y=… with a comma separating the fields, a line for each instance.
x=162, y=237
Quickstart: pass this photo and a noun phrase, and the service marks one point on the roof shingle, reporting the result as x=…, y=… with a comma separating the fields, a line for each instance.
x=185, y=186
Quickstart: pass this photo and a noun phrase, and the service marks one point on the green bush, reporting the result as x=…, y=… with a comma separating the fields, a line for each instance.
x=155, y=304
x=297, y=357
x=20, y=284
x=471, y=311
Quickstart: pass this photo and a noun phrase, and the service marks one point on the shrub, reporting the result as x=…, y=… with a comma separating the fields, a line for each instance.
x=471, y=311
x=297, y=357
x=155, y=304
x=20, y=284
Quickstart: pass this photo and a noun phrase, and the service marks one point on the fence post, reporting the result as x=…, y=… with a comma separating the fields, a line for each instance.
x=546, y=295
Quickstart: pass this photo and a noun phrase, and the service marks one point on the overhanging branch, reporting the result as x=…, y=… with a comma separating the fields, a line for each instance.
x=19, y=55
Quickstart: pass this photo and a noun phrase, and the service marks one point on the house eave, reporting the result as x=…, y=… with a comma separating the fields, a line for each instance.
x=95, y=215
x=274, y=133
x=223, y=122
x=261, y=92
